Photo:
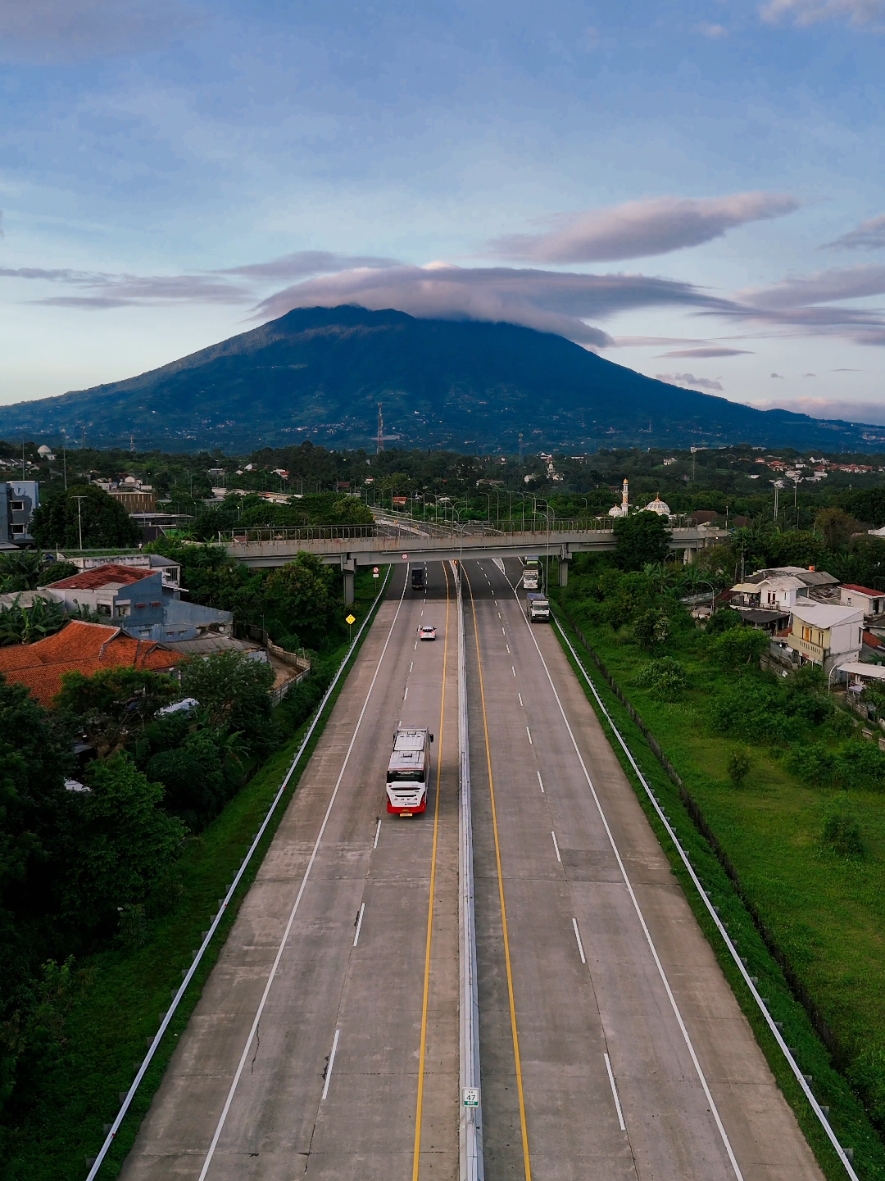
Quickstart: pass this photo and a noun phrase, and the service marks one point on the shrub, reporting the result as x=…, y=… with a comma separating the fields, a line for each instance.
x=723, y=620
x=651, y=628
x=665, y=678
x=867, y=1072
x=738, y=647
x=738, y=766
x=841, y=832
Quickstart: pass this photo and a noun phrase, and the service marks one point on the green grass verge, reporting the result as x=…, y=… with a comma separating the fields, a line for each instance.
x=847, y=1115
x=128, y=993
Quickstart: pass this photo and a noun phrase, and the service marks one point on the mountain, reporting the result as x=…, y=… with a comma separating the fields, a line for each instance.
x=319, y=373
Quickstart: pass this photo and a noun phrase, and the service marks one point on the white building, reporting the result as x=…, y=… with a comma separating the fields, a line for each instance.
x=872, y=601
x=658, y=506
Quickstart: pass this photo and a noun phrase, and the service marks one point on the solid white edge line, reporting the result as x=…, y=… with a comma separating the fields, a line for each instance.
x=580, y=944
x=236, y=1079
x=332, y=1054
x=714, y=1110
x=735, y=955
x=611, y=1080
x=359, y=924
x=556, y=846
x=164, y=1025
x=377, y=833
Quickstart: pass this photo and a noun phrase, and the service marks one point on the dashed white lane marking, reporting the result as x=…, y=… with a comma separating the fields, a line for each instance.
x=331, y=1064
x=359, y=924
x=378, y=832
x=406, y=694
x=411, y=662
x=519, y=695
x=503, y=632
x=611, y=1079
x=580, y=944
x=528, y=731
x=540, y=784
x=507, y=646
x=513, y=670
x=555, y=846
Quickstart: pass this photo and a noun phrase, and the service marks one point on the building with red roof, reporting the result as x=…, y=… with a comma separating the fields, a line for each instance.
x=871, y=601
x=85, y=648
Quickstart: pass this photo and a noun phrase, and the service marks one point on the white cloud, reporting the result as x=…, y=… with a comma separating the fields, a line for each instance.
x=869, y=235
x=106, y=290
x=713, y=32
x=307, y=262
x=689, y=379
x=550, y=301
x=707, y=351
x=811, y=12
x=639, y=229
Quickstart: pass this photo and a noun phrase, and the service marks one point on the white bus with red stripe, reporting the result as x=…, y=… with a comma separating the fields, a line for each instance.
x=408, y=772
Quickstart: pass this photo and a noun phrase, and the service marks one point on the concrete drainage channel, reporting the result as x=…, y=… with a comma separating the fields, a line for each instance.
x=470, y=1130
x=126, y=1099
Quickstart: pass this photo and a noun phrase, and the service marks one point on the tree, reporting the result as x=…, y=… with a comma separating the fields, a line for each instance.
x=302, y=598
x=651, y=628
x=194, y=779
x=58, y=520
x=836, y=527
x=841, y=832
x=739, y=647
x=24, y=625
x=124, y=843
x=25, y=570
x=738, y=766
x=233, y=694
x=642, y=537
x=113, y=705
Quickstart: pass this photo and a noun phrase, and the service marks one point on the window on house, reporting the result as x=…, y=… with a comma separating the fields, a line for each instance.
x=122, y=609
x=103, y=609
x=18, y=506
x=18, y=530
x=806, y=634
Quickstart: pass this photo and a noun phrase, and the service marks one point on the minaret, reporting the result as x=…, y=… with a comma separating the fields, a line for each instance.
x=625, y=498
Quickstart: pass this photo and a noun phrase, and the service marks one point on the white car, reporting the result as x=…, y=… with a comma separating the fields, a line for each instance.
x=426, y=632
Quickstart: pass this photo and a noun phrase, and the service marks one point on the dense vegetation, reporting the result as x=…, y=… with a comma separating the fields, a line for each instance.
x=83, y=512
x=786, y=777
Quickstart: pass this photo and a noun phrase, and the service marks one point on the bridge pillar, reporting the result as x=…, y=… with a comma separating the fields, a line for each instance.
x=563, y=571
x=688, y=556
x=348, y=569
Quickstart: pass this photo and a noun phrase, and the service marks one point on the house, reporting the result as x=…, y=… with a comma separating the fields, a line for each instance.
x=171, y=570
x=18, y=500
x=781, y=587
x=872, y=601
x=141, y=601
x=825, y=635
x=86, y=648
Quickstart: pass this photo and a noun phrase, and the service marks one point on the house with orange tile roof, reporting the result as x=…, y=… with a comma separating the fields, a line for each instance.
x=86, y=648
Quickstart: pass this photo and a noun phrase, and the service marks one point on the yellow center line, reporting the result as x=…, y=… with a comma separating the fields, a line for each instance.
x=422, y=1049
x=527, y=1165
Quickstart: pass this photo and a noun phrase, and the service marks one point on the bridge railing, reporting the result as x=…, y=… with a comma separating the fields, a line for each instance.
x=390, y=530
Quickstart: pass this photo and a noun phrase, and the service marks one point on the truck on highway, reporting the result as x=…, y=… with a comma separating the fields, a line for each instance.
x=408, y=772
x=418, y=578
x=537, y=608
x=531, y=574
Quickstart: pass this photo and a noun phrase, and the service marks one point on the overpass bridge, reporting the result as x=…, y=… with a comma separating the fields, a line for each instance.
x=386, y=541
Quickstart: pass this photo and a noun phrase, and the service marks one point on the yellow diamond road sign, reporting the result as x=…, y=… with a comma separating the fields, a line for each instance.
x=350, y=619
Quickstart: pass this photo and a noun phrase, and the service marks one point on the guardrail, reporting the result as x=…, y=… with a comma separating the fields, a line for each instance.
x=400, y=530
x=470, y=1123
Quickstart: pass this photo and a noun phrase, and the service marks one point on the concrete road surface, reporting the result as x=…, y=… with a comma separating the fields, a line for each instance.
x=617, y=1000
x=351, y=1029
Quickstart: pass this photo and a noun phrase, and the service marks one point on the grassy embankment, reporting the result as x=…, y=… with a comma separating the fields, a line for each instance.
x=128, y=993
x=824, y=912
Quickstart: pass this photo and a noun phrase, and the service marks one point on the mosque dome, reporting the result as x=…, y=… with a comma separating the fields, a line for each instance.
x=658, y=506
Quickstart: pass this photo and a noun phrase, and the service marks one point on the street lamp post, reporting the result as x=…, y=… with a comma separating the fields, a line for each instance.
x=79, y=500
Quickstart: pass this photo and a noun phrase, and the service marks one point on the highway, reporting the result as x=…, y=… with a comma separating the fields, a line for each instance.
x=352, y=1070
x=611, y=1045
x=325, y=1044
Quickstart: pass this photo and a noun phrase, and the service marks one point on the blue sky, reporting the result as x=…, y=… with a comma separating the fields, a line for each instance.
x=692, y=188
